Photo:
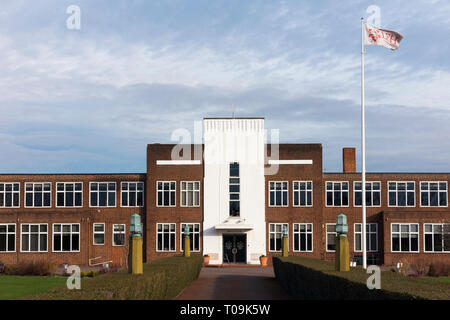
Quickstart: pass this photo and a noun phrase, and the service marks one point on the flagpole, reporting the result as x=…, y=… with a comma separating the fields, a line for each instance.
x=363, y=153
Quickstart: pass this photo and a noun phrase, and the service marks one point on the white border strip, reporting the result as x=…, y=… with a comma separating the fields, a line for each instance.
x=177, y=162
x=290, y=162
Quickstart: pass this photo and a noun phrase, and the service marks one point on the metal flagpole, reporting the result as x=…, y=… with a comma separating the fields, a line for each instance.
x=363, y=153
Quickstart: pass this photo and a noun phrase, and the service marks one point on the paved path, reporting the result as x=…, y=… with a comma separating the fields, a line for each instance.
x=234, y=283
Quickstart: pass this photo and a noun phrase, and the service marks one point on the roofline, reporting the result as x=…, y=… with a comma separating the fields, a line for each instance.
x=231, y=118
x=405, y=172
x=67, y=174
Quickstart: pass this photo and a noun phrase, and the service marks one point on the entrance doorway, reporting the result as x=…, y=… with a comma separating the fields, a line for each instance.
x=234, y=248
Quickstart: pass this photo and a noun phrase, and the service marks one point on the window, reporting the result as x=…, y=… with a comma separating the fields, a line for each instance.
x=276, y=235
x=166, y=193
x=190, y=193
x=34, y=237
x=234, y=190
x=433, y=194
x=118, y=234
x=9, y=195
x=331, y=236
x=371, y=237
x=69, y=194
x=303, y=237
x=132, y=194
x=165, y=239
x=38, y=195
x=66, y=237
x=99, y=234
x=194, y=235
x=102, y=194
x=337, y=194
x=373, y=194
x=7, y=237
x=437, y=237
x=401, y=194
x=302, y=193
x=278, y=193
x=405, y=237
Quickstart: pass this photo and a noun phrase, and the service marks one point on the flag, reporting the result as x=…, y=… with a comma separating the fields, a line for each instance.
x=381, y=37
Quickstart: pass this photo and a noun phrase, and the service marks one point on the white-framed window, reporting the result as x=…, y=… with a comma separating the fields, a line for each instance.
x=331, y=237
x=336, y=193
x=102, y=194
x=371, y=237
x=166, y=193
x=404, y=237
x=433, y=194
x=165, y=237
x=190, y=193
x=118, y=236
x=38, y=195
x=278, y=193
x=34, y=237
x=401, y=194
x=132, y=194
x=303, y=237
x=66, y=237
x=10, y=195
x=98, y=237
x=194, y=236
x=234, y=190
x=69, y=194
x=276, y=236
x=302, y=193
x=373, y=194
x=8, y=237
x=436, y=237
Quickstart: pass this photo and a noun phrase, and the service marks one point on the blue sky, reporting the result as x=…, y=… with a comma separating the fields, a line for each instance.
x=90, y=100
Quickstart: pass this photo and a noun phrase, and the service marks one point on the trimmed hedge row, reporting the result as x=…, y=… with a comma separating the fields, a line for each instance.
x=162, y=279
x=312, y=279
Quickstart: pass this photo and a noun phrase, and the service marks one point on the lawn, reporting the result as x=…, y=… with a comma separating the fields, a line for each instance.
x=441, y=279
x=13, y=287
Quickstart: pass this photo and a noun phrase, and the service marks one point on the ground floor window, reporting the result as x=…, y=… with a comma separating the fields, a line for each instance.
x=437, y=237
x=34, y=237
x=66, y=237
x=276, y=235
x=371, y=237
x=194, y=235
x=405, y=237
x=7, y=237
x=165, y=237
x=99, y=234
x=331, y=236
x=303, y=237
x=118, y=234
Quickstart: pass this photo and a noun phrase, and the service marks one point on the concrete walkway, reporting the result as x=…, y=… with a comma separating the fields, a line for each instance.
x=234, y=284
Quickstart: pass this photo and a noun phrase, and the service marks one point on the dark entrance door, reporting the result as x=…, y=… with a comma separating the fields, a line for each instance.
x=234, y=248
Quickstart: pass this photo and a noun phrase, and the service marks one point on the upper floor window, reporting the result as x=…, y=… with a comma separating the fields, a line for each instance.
x=102, y=194
x=66, y=237
x=7, y=237
x=132, y=194
x=276, y=235
x=234, y=190
x=190, y=193
x=337, y=194
x=373, y=194
x=405, y=237
x=401, y=194
x=302, y=193
x=69, y=194
x=278, y=193
x=34, y=237
x=433, y=194
x=38, y=195
x=371, y=237
x=166, y=193
x=9, y=195
x=303, y=237
x=437, y=237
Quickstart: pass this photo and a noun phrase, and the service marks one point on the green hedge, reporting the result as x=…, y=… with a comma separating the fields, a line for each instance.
x=306, y=278
x=162, y=279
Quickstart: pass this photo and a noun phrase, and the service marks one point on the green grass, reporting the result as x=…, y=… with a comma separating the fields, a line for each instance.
x=13, y=287
x=441, y=279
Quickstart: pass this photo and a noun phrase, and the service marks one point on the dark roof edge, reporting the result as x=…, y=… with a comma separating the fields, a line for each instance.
x=67, y=174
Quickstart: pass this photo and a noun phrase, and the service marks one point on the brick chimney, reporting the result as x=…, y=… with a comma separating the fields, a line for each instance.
x=349, y=160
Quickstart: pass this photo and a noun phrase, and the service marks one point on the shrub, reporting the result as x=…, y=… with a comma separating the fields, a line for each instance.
x=421, y=267
x=40, y=268
x=82, y=274
x=439, y=269
x=11, y=270
x=404, y=269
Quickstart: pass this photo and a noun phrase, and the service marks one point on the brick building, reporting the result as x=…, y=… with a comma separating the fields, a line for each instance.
x=236, y=194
